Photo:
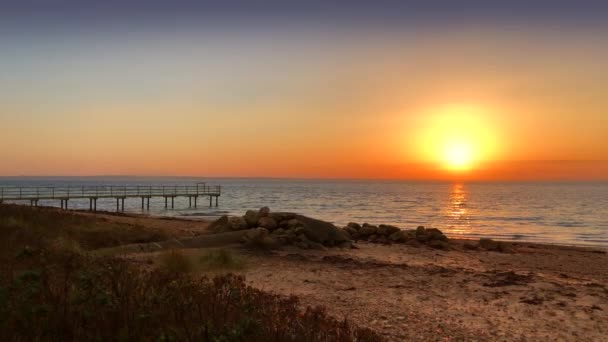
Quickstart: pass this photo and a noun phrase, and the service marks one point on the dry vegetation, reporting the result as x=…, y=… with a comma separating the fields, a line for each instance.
x=52, y=289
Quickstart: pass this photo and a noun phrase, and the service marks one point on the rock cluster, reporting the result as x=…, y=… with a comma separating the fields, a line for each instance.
x=268, y=228
x=387, y=234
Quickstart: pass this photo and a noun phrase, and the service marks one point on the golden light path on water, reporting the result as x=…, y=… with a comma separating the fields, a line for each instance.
x=456, y=211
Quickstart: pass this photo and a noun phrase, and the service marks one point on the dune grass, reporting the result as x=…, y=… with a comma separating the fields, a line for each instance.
x=220, y=260
x=51, y=288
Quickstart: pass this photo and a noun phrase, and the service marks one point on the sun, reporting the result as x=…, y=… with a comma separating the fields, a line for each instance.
x=456, y=138
x=458, y=156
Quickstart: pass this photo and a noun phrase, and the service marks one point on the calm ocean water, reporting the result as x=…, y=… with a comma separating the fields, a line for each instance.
x=559, y=213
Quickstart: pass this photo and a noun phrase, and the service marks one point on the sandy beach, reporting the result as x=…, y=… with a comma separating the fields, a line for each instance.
x=534, y=292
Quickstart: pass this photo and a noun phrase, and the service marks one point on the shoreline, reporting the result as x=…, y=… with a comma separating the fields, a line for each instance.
x=208, y=219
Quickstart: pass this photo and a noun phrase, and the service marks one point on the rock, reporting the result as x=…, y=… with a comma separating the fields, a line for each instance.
x=293, y=223
x=353, y=232
x=254, y=234
x=435, y=234
x=282, y=216
x=251, y=217
x=387, y=230
x=320, y=231
x=372, y=238
x=383, y=240
x=220, y=225
x=267, y=222
x=259, y=238
x=397, y=237
x=345, y=245
x=354, y=225
x=304, y=243
x=495, y=246
x=439, y=244
x=367, y=230
x=279, y=231
x=263, y=212
x=237, y=223
x=421, y=235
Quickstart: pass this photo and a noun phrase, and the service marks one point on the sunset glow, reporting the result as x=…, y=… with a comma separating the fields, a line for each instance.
x=264, y=98
x=457, y=137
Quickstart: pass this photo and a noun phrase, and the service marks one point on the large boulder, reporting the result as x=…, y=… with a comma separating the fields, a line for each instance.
x=264, y=211
x=251, y=217
x=220, y=225
x=352, y=231
x=354, y=225
x=321, y=231
x=237, y=223
x=367, y=230
x=387, y=230
x=421, y=235
x=434, y=234
x=268, y=223
x=293, y=223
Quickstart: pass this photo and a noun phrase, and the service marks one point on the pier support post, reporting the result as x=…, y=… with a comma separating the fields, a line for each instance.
x=216, y=199
x=95, y=204
x=142, y=203
x=117, y=204
x=66, y=204
x=210, y=201
x=172, y=202
x=123, y=204
x=195, y=198
x=90, y=204
x=189, y=201
x=165, y=202
x=148, y=204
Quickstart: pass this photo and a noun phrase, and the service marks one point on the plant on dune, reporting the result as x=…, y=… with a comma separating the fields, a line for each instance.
x=51, y=289
x=75, y=297
x=221, y=259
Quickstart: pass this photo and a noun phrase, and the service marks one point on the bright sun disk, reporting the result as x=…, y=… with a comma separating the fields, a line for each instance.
x=458, y=156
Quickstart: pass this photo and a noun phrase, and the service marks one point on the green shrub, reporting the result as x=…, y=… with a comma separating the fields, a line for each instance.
x=221, y=259
x=83, y=298
x=174, y=261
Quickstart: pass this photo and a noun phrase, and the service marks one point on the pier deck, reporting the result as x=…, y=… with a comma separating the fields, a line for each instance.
x=119, y=192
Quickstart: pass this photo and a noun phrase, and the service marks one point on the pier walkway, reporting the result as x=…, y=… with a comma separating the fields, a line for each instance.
x=120, y=192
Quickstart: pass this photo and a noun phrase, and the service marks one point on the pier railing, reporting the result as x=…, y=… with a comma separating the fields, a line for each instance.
x=104, y=191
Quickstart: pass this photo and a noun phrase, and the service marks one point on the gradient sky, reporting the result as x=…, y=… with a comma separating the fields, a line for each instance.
x=325, y=89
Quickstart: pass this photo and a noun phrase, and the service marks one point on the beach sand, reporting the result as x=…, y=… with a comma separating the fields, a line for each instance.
x=537, y=292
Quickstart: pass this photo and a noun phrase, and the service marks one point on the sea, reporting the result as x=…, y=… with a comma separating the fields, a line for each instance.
x=545, y=212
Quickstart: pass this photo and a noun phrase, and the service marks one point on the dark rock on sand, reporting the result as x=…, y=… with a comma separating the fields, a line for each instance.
x=264, y=211
x=237, y=223
x=367, y=230
x=387, y=230
x=321, y=231
x=494, y=246
x=220, y=225
x=251, y=217
x=267, y=222
x=354, y=225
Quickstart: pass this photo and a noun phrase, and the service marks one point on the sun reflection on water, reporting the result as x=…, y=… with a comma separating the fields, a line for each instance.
x=456, y=212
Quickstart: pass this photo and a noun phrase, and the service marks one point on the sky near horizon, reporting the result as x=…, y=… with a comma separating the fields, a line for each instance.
x=366, y=90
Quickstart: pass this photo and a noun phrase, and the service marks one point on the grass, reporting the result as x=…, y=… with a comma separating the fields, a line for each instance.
x=221, y=259
x=25, y=225
x=195, y=261
x=51, y=288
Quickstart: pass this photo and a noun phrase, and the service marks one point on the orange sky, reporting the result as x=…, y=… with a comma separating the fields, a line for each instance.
x=529, y=105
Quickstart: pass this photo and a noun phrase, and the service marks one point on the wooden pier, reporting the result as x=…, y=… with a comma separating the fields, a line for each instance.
x=64, y=194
